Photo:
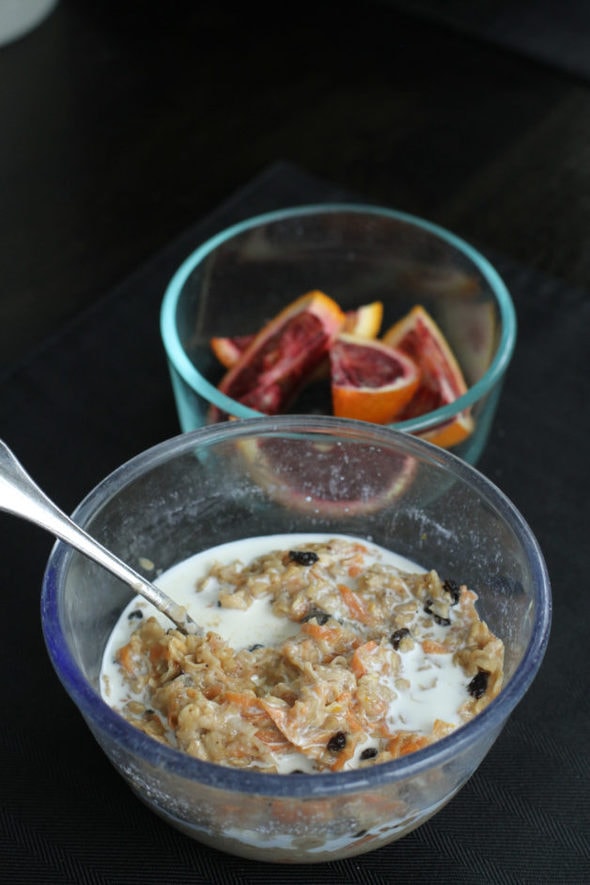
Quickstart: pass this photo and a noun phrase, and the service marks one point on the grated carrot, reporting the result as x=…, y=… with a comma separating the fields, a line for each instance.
x=405, y=742
x=158, y=653
x=432, y=647
x=441, y=728
x=273, y=738
x=343, y=756
x=354, y=603
x=125, y=657
x=250, y=706
x=321, y=632
x=357, y=664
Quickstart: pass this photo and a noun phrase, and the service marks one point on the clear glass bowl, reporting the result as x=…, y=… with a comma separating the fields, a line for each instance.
x=262, y=476
x=236, y=281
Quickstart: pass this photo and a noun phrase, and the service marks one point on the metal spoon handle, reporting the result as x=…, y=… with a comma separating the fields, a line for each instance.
x=21, y=496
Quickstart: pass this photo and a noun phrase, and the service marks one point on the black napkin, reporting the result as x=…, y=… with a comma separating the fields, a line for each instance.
x=97, y=394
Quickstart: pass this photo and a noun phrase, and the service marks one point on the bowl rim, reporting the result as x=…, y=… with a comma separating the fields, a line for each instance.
x=198, y=383
x=99, y=715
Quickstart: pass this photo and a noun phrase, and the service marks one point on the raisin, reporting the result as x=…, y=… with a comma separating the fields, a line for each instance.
x=303, y=557
x=438, y=619
x=397, y=637
x=135, y=615
x=317, y=613
x=369, y=753
x=337, y=742
x=453, y=589
x=478, y=685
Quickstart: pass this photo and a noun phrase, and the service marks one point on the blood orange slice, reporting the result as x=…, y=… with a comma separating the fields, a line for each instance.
x=442, y=382
x=229, y=350
x=283, y=356
x=370, y=381
x=365, y=321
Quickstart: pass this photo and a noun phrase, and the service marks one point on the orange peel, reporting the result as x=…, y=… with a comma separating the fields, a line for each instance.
x=442, y=381
x=369, y=380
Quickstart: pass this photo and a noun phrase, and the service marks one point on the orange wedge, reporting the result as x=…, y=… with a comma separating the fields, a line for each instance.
x=228, y=350
x=283, y=356
x=370, y=381
x=441, y=379
x=450, y=433
x=365, y=322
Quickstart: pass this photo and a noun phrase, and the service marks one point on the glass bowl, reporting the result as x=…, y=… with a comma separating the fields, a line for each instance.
x=240, y=479
x=236, y=281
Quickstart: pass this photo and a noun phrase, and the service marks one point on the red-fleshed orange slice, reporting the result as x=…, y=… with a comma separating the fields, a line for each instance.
x=441, y=379
x=370, y=381
x=364, y=322
x=450, y=433
x=282, y=357
x=228, y=350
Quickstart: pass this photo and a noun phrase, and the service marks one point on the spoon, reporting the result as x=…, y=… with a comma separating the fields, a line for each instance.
x=21, y=496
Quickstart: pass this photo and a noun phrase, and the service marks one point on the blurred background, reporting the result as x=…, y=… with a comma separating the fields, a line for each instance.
x=123, y=123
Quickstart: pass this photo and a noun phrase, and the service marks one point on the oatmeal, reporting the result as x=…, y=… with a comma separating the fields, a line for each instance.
x=320, y=654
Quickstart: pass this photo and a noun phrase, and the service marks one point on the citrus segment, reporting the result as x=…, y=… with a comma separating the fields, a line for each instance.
x=441, y=379
x=229, y=350
x=365, y=321
x=450, y=433
x=284, y=354
x=370, y=381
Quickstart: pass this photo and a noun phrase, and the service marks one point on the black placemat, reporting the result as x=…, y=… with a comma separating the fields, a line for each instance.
x=99, y=393
x=554, y=32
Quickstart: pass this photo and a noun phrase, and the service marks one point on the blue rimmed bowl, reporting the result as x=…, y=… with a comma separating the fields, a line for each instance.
x=205, y=488
x=233, y=283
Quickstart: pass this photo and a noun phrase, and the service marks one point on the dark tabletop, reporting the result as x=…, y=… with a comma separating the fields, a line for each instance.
x=128, y=133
